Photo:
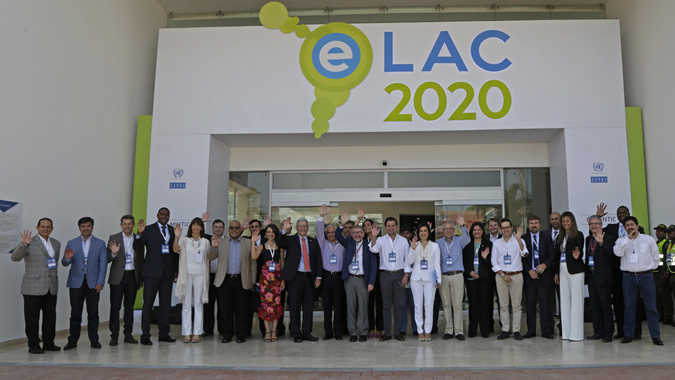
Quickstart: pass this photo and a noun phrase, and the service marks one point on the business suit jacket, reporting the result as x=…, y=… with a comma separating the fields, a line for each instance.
x=97, y=263
x=484, y=265
x=248, y=265
x=38, y=279
x=119, y=261
x=294, y=255
x=370, y=263
x=546, y=256
x=156, y=264
x=412, y=264
x=603, y=258
x=574, y=266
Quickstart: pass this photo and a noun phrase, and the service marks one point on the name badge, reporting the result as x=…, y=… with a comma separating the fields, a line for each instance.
x=355, y=266
x=671, y=258
x=563, y=257
x=633, y=259
x=475, y=261
x=272, y=266
x=128, y=258
x=51, y=262
x=199, y=258
x=536, y=255
x=507, y=259
x=332, y=259
x=424, y=264
x=591, y=262
x=392, y=257
x=448, y=260
x=165, y=249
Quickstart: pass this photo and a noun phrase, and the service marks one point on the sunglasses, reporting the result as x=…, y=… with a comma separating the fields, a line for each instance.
x=234, y=228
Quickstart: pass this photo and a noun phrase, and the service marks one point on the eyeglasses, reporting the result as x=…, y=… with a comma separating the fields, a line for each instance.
x=234, y=228
x=595, y=224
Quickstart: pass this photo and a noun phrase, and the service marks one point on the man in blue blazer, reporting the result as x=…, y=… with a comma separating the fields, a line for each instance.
x=88, y=260
x=538, y=278
x=359, y=269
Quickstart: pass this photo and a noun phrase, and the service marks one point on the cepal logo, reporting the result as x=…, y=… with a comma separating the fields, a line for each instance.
x=334, y=58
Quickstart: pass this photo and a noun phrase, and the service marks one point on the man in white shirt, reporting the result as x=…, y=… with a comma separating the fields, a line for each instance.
x=639, y=257
x=507, y=254
x=393, y=250
x=493, y=227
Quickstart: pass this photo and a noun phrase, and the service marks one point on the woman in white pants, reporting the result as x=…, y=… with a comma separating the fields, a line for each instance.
x=423, y=269
x=193, y=276
x=570, y=268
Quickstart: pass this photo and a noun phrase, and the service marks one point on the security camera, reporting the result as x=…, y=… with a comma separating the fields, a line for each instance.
x=384, y=162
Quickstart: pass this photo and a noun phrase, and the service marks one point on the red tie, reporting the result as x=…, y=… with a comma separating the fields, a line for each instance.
x=305, y=254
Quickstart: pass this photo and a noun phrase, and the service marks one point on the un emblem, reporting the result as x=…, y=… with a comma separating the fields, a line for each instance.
x=177, y=173
x=598, y=166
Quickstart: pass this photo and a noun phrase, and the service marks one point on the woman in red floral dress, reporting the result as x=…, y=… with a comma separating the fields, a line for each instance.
x=271, y=258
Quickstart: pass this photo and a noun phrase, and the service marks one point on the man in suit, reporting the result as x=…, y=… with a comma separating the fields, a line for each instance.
x=159, y=270
x=218, y=228
x=554, y=297
x=618, y=230
x=88, y=260
x=538, y=278
x=235, y=276
x=39, y=285
x=124, y=279
x=599, y=277
x=302, y=273
x=333, y=287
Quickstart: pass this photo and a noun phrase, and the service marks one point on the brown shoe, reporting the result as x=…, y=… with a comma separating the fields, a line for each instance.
x=196, y=339
x=385, y=337
x=399, y=337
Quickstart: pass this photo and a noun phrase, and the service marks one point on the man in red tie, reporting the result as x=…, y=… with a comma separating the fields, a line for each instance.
x=302, y=273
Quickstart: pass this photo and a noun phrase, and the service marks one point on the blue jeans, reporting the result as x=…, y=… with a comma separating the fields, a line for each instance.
x=408, y=303
x=644, y=284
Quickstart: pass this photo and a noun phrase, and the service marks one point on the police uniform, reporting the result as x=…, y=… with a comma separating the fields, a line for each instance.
x=667, y=250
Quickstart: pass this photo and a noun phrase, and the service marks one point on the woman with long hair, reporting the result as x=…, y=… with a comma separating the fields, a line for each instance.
x=479, y=280
x=192, y=285
x=271, y=258
x=375, y=320
x=423, y=268
x=569, y=275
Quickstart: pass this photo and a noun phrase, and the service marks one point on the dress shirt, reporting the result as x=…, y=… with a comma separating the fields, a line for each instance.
x=501, y=248
x=85, y=248
x=192, y=249
x=328, y=248
x=48, y=246
x=637, y=255
x=359, y=258
x=128, y=250
x=301, y=267
x=385, y=245
x=494, y=238
x=234, y=265
x=453, y=249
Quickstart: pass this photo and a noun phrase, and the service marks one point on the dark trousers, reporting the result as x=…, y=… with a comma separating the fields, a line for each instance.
x=152, y=286
x=601, y=308
x=633, y=287
x=665, y=292
x=77, y=298
x=375, y=320
x=480, y=293
x=538, y=291
x=301, y=295
x=234, y=300
x=334, y=300
x=210, y=307
x=32, y=305
x=620, y=307
x=437, y=310
x=392, y=296
x=126, y=290
x=657, y=288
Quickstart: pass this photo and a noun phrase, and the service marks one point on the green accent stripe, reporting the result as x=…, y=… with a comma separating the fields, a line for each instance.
x=141, y=178
x=636, y=166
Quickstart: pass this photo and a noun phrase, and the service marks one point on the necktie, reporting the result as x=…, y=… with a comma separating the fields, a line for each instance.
x=164, y=232
x=622, y=231
x=555, y=238
x=536, y=248
x=305, y=254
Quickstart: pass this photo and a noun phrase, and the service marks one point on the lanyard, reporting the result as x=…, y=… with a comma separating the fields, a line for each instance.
x=272, y=251
x=357, y=251
x=333, y=247
x=394, y=243
x=593, y=243
x=535, y=242
x=446, y=245
x=166, y=237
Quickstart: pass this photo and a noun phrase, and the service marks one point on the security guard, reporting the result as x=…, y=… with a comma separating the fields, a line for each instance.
x=667, y=282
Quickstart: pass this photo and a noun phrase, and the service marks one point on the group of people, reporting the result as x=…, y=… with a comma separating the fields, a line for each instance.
x=363, y=277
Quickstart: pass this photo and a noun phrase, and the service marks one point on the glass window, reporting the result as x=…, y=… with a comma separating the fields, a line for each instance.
x=527, y=192
x=295, y=213
x=472, y=214
x=307, y=181
x=248, y=195
x=444, y=179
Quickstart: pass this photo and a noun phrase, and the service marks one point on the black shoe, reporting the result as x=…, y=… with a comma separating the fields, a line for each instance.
x=594, y=337
x=672, y=324
x=52, y=347
x=146, y=342
x=657, y=341
x=434, y=330
x=472, y=335
x=338, y=337
x=241, y=340
x=167, y=339
x=403, y=332
x=36, y=350
x=95, y=345
x=310, y=338
x=399, y=337
x=637, y=337
x=548, y=336
x=517, y=336
x=503, y=335
x=607, y=340
x=385, y=338
x=447, y=336
x=618, y=336
x=113, y=340
x=353, y=338
x=281, y=333
x=529, y=335
x=69, y=346
x=204, y=335
x=460, y=337
x=559, y=329
x=297, y=340
x=363, y=338
x=327, y=337
x=130, y=339
x=626, y=339
x=485, y=335
x=415, y=333
x=227, y=340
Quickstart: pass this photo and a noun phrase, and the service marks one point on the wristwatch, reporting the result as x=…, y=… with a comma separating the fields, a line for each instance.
x=502, y=274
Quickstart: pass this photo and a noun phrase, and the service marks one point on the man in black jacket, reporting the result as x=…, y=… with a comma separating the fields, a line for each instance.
x=538, y=278
x=600, y=278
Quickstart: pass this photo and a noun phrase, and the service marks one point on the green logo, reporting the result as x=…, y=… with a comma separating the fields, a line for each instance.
x=334, y=58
